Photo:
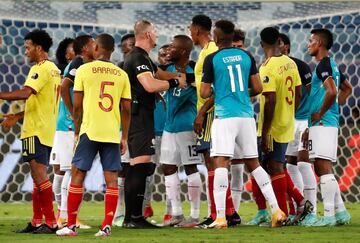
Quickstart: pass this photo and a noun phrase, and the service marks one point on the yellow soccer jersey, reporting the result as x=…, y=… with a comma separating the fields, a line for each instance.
x=280, y=75
x=41, y=107
x=210, y=48
x=104, y=85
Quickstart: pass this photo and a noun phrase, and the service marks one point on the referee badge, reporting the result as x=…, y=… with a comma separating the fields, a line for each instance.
x=35, y=76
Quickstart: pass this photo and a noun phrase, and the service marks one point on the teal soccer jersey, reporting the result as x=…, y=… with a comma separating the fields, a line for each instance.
x=229, y=71
x=180, y=105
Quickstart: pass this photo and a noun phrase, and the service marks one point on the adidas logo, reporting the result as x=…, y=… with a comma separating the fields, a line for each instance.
x=24, y=153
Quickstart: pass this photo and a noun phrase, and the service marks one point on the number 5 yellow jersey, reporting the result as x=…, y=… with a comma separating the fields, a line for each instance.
x=104, y=85
x=280, y=75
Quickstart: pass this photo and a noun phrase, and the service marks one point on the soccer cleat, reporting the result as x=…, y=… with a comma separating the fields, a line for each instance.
x=309, y=220
x=233, y=219
x=188, y=223
x=205, y=224
x=140, y=223
x=262, y=216
x=61, y=222
x=302, y=211
x=148, y=212
x=119, y=221
x=325, y=221
x=28, y=229
x=81, y=225
x=67, y=231
x=278, y=218
x=176, y=220
x=290, y=220
x=342, y=217
x=106, y=231
x=219, y=223
x=167, y=219
x=45, y=229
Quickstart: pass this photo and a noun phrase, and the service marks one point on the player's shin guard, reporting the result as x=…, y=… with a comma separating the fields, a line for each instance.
x=328, y=186
x=64, y=194
x=279, y=184
x=194, y=192
x=237, y=183
x=57, y=189
x=262, y=186
x=111, y=197
x=172, y=184
x=310, y=184
x=211, y=175
x=121, y=198
x=37, y=213
x=74, y=200
x=46, y=201
x=221, y=185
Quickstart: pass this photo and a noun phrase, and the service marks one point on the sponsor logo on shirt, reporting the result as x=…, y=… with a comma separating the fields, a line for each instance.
x=143, y=67
x=35, y=76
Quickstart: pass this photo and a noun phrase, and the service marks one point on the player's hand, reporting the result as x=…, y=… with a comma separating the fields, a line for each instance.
x=76, y=140
x=123, y=146
x=182, y=80
x=265, y=143
x=198, y=124
x=9, y=121
x=305, y=139
x=315, y=117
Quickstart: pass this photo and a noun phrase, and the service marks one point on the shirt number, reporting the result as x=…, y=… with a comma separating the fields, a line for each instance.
x=232, y=79
x=288, y=99
x=104, y=95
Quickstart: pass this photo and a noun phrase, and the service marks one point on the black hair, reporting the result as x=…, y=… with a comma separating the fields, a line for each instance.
x=202, y=21
x=61, y=50
x=126, y=36
x=106, y=42
x=239, y=35
x=227, y=27
x=285, y=39
x=186, y=41
x=269, y=35
x=80, y=42
x=164, y=46
x=325, y=35
x=41, y=38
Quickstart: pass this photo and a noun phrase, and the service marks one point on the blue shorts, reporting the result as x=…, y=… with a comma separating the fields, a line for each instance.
x=86, y=151
x=277, y=154
x=203, y=140
x=33, y=150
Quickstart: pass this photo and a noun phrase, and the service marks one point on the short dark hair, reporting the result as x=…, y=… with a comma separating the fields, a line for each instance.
x=226, y=26
x=239, y=35
x=106, y=41
x=202, y=21
x=80, y=42
x=325, y=36
x=41, y=38
x=186, y=41
x=285, y=39
x=269, y=35
x=164, y=46
x=127, y=36
x=61, y=50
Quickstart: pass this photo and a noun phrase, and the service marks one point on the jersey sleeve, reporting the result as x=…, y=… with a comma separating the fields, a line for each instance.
x=126, y=92
x=79, y=80
x=297, y=78
x=74, y=65
x=253, y=68
x=305, y=73
x=323, y=69
x=268, y=81
x=208, y=70
x=37, y=78
x=142, y=65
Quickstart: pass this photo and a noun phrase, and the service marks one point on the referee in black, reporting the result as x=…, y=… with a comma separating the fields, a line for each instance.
x=143, y=75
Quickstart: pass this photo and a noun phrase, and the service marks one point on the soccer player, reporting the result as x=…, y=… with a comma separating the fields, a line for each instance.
x=233, y=133
x=127, y=43
x=62, y=151
x=239, y=39
x=298, y=165
x=142, y=72
x=163, y=55
x=278, y=102
x=41, y=92
x=324, y=123
x=179, y=140
x=101, y=89
x=200, y=28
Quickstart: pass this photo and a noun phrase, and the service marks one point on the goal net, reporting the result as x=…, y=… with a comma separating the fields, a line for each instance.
x=72, y=18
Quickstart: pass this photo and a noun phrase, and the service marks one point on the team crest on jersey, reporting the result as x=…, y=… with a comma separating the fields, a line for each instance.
x=73, y=72
x=324, y=74
x=35, y=76
x=266, y=79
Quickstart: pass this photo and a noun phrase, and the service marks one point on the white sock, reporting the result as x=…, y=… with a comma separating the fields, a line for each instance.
x=172, y=184
x=64, y=194
x=310, y=184
x=57, y=189
x=328, y=186
x=168, y=206
x=121, y=198
x=295, y=176
x=194, y=193
x=237, y=183
x=339, y=203
x=263, y=180
x=148, y=190
x=221, y=181
x=208, y=196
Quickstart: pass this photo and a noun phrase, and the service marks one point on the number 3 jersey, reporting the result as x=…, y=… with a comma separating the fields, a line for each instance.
x=180, y=104
x=103, y=85
x=280, y=74
x=229, y=71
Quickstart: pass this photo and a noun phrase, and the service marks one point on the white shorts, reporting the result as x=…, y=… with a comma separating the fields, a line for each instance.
x=296, y=145
x=156, y=156
x=323, y=143
x=63, y=150
x=179, y=148
x=234, y=137
x=125, y=158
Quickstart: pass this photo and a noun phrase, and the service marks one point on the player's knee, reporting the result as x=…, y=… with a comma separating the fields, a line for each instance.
x=169, y=169
x=190, y=169
x=291, y=160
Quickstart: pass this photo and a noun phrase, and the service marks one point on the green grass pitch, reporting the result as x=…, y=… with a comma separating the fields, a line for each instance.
x=14, y=216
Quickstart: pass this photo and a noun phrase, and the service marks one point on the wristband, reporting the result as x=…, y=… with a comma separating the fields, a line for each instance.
x=173, y=83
